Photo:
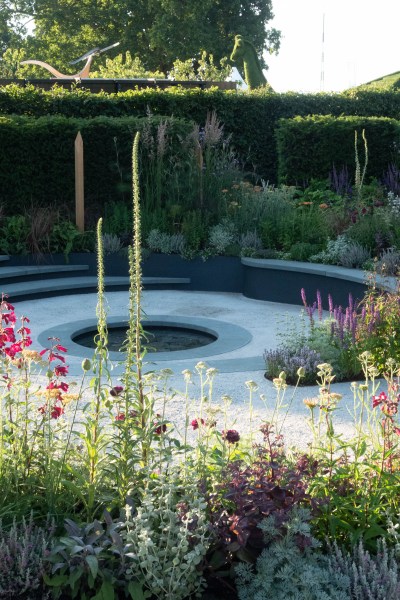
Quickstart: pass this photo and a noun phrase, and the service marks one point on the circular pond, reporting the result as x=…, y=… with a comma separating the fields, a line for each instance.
x=212, y=337
x=157, y=338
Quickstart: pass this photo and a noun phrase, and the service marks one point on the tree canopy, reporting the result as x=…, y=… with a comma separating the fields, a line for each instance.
x=156, y=31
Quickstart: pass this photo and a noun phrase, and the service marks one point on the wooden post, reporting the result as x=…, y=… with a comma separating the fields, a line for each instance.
x=79, y=184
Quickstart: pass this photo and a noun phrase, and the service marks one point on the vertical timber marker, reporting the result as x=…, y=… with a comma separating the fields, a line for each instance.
x=79, y=184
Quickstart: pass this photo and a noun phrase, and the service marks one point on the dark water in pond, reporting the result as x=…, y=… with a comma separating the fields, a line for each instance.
x=160, y=338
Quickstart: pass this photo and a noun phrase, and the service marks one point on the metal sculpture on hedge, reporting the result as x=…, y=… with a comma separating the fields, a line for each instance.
x=84, y=73
x=253, y=74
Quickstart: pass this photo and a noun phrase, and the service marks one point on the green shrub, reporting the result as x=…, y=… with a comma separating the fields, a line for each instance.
x=251, y=118
x=37, y=158
x=309, y=146
x=303, y=250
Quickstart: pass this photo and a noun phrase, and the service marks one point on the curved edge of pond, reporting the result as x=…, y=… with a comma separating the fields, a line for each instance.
x=228, y=336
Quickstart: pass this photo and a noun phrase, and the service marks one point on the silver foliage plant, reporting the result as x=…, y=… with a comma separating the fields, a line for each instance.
x=389, y=262
x=158, y=241
x=250, y=243
x=222, y=235
x=111, y=243
x=290, y=567
x=168, y=538
x=343, y=252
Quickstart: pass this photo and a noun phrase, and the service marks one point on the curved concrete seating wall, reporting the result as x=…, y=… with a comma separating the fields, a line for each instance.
x=281, y=281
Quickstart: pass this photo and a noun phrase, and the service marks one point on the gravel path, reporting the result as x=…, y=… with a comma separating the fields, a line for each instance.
x=262, y=319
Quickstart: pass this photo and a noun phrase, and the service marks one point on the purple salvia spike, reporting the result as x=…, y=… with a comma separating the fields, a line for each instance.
x=347, y=319
x=354, y=328
x=330, y=303
x=319, y=304
x=351, y=303
x=303, y=296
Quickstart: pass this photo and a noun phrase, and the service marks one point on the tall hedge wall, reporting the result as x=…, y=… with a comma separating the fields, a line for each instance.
x=37, y=157
x=251, y=118
x=308, y=147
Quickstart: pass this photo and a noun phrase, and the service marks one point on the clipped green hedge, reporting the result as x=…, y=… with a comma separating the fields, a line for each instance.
x=249, y=117
x=37, y=158
x=308, y=147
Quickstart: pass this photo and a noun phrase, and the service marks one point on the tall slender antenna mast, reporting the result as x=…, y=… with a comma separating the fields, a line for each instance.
x=322, y=80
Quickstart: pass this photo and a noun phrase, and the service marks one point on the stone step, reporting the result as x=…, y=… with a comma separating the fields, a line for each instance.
x=71, y=285
x=35, y=270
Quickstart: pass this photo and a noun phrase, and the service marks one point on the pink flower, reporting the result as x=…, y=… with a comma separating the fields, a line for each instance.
x=231, y=436
x=61, y=348
x=120, y=417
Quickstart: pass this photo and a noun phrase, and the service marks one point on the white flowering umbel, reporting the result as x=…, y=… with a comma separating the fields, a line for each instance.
x=168, y=538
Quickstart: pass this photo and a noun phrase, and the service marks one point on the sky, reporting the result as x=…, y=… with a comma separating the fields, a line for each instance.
x=361, y=43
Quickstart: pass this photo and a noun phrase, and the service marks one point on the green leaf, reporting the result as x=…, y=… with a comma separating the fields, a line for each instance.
x=106, y=592
x=73, y=578
x=136, y=591
x=93, y=564
x=56, y=581
x=373, y=532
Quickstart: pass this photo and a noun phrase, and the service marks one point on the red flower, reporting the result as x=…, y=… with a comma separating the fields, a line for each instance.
x=60, y=371
x=5, y=305
x=377, y=400
x=231, y=436
x=195, y=423
x=24, y=330
x=396, y=430
x=116, y=390
x=133, y=414
x=9, y=318
x=58, y=386
x=56, y=412
x=54, y=356
x=13, y=349
x=61, y=348
x=159, y=427
x=7, y=335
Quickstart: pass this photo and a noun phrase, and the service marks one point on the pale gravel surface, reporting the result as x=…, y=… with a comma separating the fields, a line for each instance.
x=260, y=318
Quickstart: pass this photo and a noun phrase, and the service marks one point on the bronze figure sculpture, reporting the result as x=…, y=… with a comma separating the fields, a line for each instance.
x=84, y=73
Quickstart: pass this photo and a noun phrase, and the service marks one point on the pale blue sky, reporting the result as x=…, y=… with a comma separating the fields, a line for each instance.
x=362, y=42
